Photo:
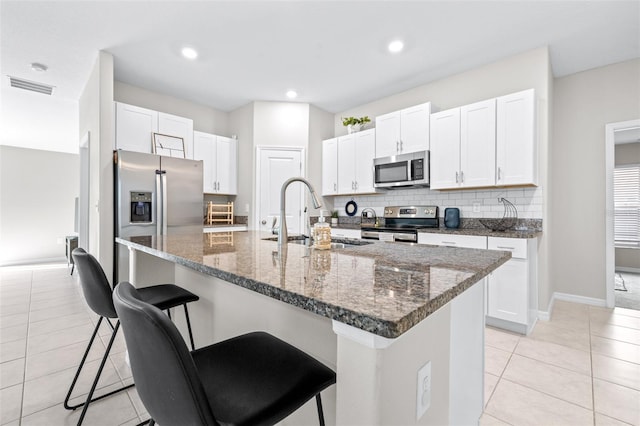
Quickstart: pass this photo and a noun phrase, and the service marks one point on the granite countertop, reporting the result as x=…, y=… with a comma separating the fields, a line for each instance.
x=384, y=288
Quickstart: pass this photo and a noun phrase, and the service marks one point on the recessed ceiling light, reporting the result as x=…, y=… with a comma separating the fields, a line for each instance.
x=189, y=53
x=291, y=94
x=396, y=46
x=35, y=66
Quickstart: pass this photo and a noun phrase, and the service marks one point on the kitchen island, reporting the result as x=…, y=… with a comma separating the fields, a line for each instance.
x=376, y=313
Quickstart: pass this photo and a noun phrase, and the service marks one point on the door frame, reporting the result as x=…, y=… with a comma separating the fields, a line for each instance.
x=610, y=251
x=256, y=195
x=84, y=192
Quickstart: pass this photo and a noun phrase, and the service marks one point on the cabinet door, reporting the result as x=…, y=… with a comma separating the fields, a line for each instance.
x=387, y=134
x=478, y=144
x=135, y=127
x=516, y=146
x=414, y=128
x=445, y=149
x=177, y=126
x=204, y=147
x=365, y=150
x=346, y=164
x=507, y=292
x=330, y=166
x=226, y=168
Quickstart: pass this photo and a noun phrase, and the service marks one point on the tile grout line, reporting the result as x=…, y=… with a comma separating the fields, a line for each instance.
x=26, y=346
x=593, y=389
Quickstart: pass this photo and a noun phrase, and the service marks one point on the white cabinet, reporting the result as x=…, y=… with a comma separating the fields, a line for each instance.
x=219, y=156
x=512, y=294
x=135, y=127
x=177, y=126
x=355, y=162
x=516, y=147
x=466, y=241
x=345, y=233
x=463, y=143
x=330, y=166
x=404, y=131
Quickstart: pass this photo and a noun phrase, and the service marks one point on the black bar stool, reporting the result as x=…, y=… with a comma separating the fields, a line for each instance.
x=98, y=294
x=252, y=379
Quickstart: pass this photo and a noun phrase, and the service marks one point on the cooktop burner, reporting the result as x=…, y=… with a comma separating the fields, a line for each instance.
x=407, y=219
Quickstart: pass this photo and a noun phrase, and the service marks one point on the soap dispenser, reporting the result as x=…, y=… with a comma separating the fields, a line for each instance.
x=321, y=234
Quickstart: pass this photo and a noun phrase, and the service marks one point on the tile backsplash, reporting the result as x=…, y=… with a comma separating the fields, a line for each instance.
x=473, y=203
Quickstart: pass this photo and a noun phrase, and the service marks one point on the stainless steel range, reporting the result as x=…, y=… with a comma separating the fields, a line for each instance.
x=402, y=223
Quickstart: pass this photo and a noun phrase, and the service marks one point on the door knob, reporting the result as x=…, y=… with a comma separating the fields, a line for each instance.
x=264, y=222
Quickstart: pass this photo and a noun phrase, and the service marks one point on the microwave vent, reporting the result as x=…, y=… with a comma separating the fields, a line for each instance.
x=20, y=83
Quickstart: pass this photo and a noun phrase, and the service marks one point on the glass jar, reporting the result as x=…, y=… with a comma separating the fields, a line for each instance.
x=322, y=235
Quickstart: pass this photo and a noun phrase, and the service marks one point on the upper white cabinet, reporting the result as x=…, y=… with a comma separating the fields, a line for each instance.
x=135, y=127
x=403, y=131
x=355, y=162
x=219, y=157
x=488, y=143
x=330, y=166
x=463, y=144
x=177, y=126
x=516, y=148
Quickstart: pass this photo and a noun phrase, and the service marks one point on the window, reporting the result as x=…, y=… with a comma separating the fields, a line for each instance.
x=626, y=199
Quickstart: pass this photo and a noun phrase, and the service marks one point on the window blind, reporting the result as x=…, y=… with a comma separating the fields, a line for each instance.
x=626, y=198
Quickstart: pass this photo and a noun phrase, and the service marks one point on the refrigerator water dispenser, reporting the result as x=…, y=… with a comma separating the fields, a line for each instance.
x=140, y=207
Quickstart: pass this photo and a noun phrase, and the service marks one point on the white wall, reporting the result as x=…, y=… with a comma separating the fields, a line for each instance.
x=37, y=204
x=205, y=119
x=280, y=124
x=583, y=104
x=241, y=124
x=320, y=128
x=97, y=117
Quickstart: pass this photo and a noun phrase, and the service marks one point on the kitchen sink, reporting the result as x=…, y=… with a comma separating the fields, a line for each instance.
x=335, y=243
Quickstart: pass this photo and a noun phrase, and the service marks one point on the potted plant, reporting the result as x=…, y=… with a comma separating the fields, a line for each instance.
x=334, y=218
x=354, y=124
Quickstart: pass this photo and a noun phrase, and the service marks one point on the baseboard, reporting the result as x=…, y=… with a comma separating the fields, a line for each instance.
x=625, y=269
x=41, y=261
x=546, y=315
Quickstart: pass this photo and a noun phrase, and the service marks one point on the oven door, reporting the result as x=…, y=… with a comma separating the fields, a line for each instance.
x=389, y=173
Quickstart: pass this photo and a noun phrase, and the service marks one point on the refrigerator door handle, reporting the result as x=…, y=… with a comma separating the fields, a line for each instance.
x=164, y=203
x=159, y=202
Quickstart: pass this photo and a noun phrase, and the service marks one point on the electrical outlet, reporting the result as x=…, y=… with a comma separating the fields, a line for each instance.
x=476, y=206
x=423, y=393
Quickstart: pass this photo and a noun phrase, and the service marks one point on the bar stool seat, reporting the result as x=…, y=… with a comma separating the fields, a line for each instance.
x=98, y=294
x=252, y=379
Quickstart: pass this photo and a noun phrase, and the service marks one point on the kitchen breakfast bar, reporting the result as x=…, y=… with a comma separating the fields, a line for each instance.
x=401, y=324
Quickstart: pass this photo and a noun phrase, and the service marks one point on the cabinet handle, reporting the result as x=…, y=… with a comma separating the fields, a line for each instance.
x=397, y=146
x=449, y=242
x=401, y=148
x=499, y=173
x=356, y=185
x=461, y=177
x=335, y=186
x=457, y=178
x=506, y=248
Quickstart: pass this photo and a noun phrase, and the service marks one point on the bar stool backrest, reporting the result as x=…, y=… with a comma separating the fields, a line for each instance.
x=95, y=286
x=163, y=370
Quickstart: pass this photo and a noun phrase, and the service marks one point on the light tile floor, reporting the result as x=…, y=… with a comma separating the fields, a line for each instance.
x=580, y=368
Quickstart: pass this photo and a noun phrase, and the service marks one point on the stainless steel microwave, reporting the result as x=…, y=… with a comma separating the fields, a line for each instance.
x=402, y=171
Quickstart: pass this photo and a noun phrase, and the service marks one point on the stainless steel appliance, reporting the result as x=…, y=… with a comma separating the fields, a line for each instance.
x=402, y=223
x=154, y=195
x=401, y=171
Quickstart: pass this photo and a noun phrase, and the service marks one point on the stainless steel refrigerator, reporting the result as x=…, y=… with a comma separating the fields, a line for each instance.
x=154, y=195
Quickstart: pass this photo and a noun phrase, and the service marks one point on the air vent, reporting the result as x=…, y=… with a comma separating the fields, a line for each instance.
x=30, y=85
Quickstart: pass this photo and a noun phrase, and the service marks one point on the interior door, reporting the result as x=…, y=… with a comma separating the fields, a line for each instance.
x=276, y=166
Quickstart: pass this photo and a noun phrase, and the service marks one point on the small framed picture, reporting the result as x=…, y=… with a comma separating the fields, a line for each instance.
x=170, y=146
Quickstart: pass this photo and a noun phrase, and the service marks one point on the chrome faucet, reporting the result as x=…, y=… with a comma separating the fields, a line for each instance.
x=283, y=237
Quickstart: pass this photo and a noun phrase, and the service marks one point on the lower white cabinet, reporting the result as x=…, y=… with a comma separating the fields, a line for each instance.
x=218, y=154
x=511, y=296
x=345, y=233
x=512, y=291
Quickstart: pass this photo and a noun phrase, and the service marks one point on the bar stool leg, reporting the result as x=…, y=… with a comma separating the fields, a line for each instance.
x=320, y=412
x=186, y=314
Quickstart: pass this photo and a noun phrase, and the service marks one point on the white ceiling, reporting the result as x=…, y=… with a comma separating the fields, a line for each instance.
x=333, y=53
